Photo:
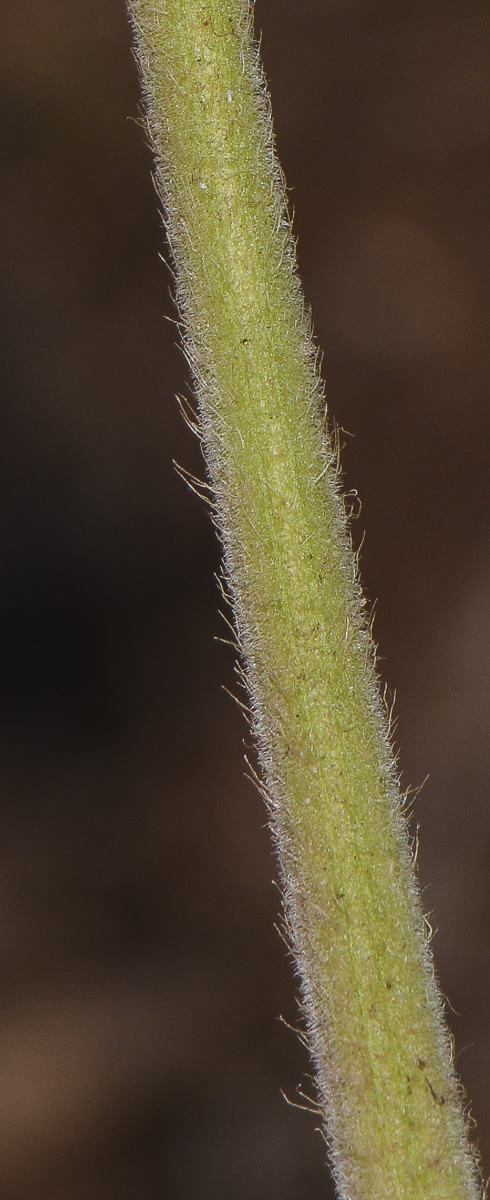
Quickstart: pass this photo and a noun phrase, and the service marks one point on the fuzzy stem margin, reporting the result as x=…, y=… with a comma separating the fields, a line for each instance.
x=391, y=1104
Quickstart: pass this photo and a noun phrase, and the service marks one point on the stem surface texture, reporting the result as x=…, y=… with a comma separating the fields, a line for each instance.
x=390, y=1100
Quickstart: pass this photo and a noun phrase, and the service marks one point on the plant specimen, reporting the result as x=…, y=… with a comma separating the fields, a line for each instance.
x=392, y=1110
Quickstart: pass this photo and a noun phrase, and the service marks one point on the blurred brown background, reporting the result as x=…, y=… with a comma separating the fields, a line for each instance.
x=141, y=978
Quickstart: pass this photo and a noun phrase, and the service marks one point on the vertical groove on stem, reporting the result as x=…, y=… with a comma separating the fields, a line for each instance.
x=393, y=1114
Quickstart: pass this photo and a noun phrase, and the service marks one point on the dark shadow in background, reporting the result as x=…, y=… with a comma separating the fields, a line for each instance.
x=141, y=978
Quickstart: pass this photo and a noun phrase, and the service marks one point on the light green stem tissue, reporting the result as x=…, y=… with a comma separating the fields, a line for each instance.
x=391, y=1106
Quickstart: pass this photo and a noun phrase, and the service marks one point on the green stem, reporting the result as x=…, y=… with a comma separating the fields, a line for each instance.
x=392, y=1110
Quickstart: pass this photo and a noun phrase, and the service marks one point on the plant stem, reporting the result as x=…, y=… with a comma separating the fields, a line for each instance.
x=390, y=1100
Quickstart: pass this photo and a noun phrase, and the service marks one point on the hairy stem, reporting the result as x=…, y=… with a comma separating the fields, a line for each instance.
x=392, y=1111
